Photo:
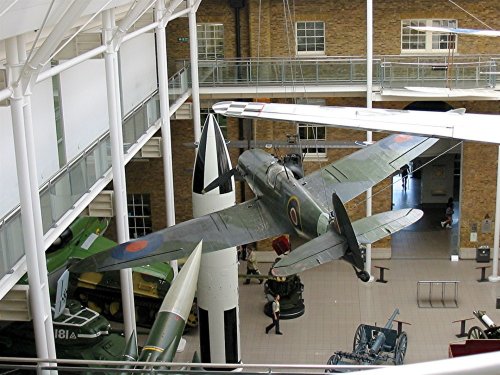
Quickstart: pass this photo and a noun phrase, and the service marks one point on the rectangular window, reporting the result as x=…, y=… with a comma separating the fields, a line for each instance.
x=312, y=133
x=210, y=41
x=310, y=37
x=139, y=215
x=421, y=41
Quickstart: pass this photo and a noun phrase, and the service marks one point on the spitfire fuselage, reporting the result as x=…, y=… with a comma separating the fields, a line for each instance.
x=283, y=194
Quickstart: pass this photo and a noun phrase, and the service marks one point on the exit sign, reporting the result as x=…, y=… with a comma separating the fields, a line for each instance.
x=183, y=39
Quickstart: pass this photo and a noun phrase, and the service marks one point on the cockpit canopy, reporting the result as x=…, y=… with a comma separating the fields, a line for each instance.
x=277, y=172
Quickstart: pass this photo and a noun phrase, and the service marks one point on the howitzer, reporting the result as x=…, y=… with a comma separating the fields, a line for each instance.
x=381, y=338
x=374, y=345
x=492, y=331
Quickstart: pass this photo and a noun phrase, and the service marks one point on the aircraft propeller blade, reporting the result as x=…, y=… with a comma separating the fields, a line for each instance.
x=220, y=180
x=352, y=253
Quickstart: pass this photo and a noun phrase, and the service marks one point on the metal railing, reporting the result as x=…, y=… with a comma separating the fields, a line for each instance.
x=462, y=71
x=61, y=192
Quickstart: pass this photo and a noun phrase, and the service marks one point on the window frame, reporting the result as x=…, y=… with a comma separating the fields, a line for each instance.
x=312, y=153
x=429, y=38
x=315, y=52
x=134, y=216
x=207, y=43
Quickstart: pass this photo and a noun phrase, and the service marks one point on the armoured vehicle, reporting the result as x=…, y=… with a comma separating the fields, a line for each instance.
x=79, y=333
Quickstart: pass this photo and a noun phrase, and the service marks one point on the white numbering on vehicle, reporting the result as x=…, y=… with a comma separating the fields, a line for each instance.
x=64, y=334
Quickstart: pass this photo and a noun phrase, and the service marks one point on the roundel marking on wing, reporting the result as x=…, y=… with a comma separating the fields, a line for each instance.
x=136, y=249
x=294, y=211
x=401, y=138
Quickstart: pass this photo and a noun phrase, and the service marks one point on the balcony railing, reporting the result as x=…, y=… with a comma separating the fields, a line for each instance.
x=72, y=182
x=469, y=71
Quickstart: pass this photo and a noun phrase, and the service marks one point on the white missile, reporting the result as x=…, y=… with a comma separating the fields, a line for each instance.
x=218, y=310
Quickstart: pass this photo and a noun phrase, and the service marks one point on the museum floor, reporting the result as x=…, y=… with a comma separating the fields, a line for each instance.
x=337, y=302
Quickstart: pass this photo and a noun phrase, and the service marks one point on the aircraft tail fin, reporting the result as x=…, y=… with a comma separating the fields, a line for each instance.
x=352, y=253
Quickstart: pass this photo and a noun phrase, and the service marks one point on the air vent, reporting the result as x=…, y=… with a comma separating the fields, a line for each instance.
x=15, y=305
x=183, y=113
x=102, y=205
x=152, y=148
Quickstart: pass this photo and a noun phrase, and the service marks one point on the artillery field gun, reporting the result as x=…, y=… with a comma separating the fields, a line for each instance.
x=373, y=345
x=492, y=331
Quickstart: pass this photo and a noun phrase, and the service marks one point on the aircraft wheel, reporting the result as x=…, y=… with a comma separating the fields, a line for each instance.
x=400, y=348
x=476, y=333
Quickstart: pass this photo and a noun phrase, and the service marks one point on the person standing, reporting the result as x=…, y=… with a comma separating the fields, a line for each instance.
x=405, y=170
x=252, y=268
x=275, y=316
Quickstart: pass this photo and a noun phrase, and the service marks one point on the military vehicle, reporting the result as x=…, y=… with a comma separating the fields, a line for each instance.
x=101, y=291
x=79, y=333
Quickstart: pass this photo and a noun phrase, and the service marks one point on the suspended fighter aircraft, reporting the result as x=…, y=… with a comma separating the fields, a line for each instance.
x=454, y=124
x=309, y=208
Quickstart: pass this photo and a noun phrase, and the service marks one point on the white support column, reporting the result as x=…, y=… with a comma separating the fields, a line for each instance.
x=161, y=60
x=496, y=239
x=118, y=166
x=37, y=299
x=369, y=99
x=36, y=207
x=195, y=83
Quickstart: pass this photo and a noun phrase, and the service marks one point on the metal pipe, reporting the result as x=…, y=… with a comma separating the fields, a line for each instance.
x=168, y=174
x=369, y=100
x=195, y=83
x=66, y=21
x=496, y=239
x=28, y=225
x=35, y=202
x=118, y=168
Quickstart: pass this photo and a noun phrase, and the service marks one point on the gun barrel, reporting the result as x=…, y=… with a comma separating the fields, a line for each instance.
x=485, y=319
x=391, y=319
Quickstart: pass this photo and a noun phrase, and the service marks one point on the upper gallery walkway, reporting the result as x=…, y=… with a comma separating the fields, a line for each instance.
x=459, y=77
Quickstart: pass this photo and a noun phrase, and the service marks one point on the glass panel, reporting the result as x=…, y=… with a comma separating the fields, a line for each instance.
x=77, y=177
x=46, y=207
x=60, y=194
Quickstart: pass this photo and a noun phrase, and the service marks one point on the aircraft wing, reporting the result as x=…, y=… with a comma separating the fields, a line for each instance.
x=456, y=30
x=237, y=225
x=472, y=127
x=325, y=248
x=355, y=173
x=330, y=245
x=373, y=228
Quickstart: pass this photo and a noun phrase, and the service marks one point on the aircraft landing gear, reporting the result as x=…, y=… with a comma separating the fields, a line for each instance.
x=363, y=276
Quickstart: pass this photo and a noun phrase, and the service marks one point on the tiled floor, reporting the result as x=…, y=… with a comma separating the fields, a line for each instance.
x=337, y=302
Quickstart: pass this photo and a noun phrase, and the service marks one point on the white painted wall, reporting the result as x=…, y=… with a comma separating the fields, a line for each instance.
x=84, y=105
x=137, y=70
x=8, y=175
x=44, y=130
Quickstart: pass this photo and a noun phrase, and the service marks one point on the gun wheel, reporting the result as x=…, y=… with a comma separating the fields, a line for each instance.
x=400, y=348
x=476, y=333
x=359, y=337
